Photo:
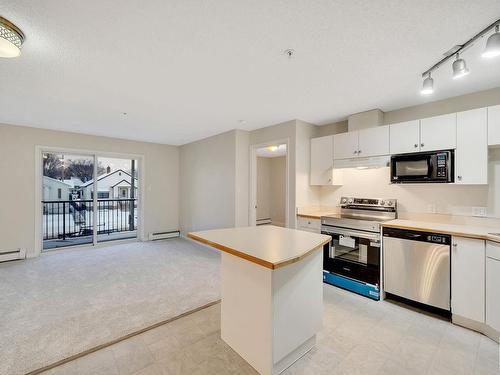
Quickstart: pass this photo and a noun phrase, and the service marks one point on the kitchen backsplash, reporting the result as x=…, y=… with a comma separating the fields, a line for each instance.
x=468, y=200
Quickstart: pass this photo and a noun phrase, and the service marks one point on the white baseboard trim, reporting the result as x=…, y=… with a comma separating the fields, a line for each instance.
x=476, y=326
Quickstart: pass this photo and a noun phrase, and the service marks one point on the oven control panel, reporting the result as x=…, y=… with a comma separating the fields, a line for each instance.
x=442, y=168
x=367, y=202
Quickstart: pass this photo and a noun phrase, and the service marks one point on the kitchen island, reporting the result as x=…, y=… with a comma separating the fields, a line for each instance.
x=272, y=294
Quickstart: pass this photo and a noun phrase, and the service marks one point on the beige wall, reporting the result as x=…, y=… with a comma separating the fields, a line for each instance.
x=208, y=183
x=263, y=188
x=271, y=189
x=17, y=166
x=305, y=193
x=278, y=190
x=242, y=172
x=456, y=104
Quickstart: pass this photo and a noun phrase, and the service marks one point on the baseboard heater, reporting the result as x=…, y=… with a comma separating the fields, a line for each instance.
x=264, y=221
x=15, y=254
x=164, y=235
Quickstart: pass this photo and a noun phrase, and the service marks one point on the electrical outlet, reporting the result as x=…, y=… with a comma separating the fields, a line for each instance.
x=479, y=211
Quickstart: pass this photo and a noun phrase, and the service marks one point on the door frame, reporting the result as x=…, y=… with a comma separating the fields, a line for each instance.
x=95, y=154
x=252, y=202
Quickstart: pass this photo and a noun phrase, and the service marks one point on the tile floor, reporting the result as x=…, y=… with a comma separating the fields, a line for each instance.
x=359, y=336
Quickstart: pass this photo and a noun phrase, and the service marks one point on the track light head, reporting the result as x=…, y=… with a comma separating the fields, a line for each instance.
x=492, y=48
x=427, y=86
x=459, y=68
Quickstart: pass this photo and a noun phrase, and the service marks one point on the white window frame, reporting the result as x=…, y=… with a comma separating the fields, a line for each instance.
x=95, y=154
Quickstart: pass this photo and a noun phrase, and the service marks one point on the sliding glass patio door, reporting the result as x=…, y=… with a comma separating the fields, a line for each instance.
x=88, y=199
x=117, y=191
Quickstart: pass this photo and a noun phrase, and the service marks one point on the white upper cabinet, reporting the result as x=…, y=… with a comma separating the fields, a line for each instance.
x=405, y=137
x=374, y=141
x=321, y=160
x=345, y=145
x=468, y=258
x=471, y=156
x=438, y=133
x=494, y=125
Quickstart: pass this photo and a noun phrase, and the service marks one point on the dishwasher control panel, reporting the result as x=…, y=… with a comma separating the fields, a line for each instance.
x=413, y=235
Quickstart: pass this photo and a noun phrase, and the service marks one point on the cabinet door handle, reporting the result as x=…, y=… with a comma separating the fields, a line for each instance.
x=415, y=145
x=459, y=178
x=359, y=151
x=355, y=152
x=422, y=145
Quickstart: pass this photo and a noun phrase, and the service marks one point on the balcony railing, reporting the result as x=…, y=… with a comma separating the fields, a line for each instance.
x=73, y=219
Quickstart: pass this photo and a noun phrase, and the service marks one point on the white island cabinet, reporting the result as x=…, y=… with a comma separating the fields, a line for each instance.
x=272, y=292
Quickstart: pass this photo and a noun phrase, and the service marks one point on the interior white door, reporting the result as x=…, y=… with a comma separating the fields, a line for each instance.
x=494, y=125
x=374, y=141
x=345, y=145
x=405, y=137
x=321, y=161
x=471, y=157
x=492, y=286
x=438, y=133
x=468, y=258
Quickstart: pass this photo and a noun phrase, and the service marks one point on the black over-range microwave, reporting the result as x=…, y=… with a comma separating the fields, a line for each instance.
x=432, y=167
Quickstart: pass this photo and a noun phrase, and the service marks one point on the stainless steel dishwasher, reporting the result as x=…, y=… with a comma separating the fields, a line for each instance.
x=417, y=266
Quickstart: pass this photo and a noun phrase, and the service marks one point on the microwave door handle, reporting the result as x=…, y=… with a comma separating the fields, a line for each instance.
x=431, y=167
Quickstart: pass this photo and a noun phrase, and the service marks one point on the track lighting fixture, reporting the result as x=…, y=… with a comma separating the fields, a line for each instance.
x=493, y=45
x=459, y=67
x=428, y=85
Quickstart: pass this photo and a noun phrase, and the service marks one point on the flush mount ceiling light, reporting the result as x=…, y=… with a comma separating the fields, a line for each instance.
x=427, y=86
x=11, y=39
x=273, y=148
x=493, y=45
x=459, y=67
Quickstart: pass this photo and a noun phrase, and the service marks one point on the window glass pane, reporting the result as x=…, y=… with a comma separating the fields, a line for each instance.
x=117, y=191
x=67, y=208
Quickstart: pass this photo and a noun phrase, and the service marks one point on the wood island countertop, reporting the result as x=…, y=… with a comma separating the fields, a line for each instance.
x=267, y=245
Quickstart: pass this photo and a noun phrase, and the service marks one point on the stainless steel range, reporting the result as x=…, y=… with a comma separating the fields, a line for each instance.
x=352, y=258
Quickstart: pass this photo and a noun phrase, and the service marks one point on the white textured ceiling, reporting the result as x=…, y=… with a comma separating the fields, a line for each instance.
x=186, y=69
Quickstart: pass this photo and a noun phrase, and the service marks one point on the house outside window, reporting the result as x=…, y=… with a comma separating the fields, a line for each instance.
x=103, y=195
x=59, y=193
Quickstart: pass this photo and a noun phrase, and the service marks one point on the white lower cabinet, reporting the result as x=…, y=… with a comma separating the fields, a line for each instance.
x=468, y=278
x=493, y=285
x=308, y=224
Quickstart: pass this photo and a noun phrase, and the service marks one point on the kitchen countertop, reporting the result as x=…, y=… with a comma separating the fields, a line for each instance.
x=269, y=246
x=316, y=214
x=459, y=230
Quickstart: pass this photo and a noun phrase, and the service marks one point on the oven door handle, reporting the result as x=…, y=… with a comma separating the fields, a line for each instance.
x=352, y=233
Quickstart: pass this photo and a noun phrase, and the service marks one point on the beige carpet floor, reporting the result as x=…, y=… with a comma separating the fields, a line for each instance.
x=62, y=304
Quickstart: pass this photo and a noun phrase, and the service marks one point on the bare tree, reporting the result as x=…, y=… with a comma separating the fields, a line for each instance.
x=82, y=169
x=52, y=166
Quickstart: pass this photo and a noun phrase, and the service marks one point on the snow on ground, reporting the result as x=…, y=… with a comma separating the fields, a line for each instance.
x=108, y=220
